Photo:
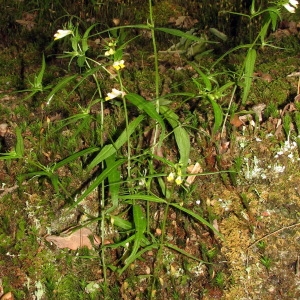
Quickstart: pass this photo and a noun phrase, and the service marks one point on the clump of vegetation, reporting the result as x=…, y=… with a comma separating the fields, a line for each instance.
x=118, y=166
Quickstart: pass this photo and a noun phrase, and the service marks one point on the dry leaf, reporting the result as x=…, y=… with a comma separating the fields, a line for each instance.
x=184, y=22
x=215, y=224
x=236, y=121
x=8, y=296
x=192, y=169
x=258, y=109
x=29, y=25
x=75, y=240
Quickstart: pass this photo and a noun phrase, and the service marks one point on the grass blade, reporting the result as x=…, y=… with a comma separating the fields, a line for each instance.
x=249, y=69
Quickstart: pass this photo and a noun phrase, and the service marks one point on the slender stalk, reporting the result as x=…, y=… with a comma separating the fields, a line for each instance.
x=157, y=77
x=101, y=189
x=159, y=252
x=228, y=109
x=126, y=123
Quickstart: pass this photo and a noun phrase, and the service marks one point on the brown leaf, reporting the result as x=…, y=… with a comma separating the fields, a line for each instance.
x=192, y=169
x=75, y=240
x=29, y=25
x=8, y=296
x=258, y=109
x=184, y=22
x=236, y=121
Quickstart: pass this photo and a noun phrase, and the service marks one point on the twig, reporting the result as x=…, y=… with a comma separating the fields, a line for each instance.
x=8, y=190
x=272, y=233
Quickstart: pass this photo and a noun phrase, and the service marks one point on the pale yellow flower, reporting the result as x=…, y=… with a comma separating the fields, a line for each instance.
x=119, y=64
x=109, y=52
x=61, y=33
x=171, y=177
x=178, y=180
x=114, y=94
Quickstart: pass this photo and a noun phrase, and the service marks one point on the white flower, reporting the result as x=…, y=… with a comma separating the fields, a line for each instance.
x=278, y=168
x=294, y=3
x=61, y=33
x=114, y=94
x=291, y=6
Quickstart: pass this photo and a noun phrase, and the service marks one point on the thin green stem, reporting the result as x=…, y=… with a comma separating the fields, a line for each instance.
x=160, y=252
x=127, y=124
x=101, y=190
x=157, y=77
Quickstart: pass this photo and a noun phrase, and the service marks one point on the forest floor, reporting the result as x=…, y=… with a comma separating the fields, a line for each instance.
x=256, y=209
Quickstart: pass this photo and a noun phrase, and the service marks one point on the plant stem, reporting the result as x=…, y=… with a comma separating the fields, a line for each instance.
x=157, y=77
x=160, y=251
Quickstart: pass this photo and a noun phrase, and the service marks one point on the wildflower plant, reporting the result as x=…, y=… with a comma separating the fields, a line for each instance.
x=124, y=175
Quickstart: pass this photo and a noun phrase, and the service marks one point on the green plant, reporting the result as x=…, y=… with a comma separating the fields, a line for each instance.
x=220, y=280
x=287, y=123
x=297, y=122
x=261, y=245
x=266, y=262
x=132, y=181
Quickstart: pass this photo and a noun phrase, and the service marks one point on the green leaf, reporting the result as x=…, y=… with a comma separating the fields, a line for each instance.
x=204, y=77
x=181, y=136
x=81, y=61
x=62, y=83
x=219, y=34
x=132, y=258
x=149, y=108
x=218, y=114
x=249, y=69
x=114, y=184
x=39, y=78
x=180, y=33
x=140, y=225
x=74, y=156
x=120, y=222
x=264, y=31
x=274, y=16
x=110, y=168
x=85, y=37
x=150, y=198
x=197, y=217
x=110, y=149
x=183, y=252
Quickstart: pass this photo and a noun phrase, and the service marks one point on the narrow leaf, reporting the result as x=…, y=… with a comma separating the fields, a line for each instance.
x=197, y=217
x=181, y=136
x=218, y=114
x=140, y=228
x=98, y=180
x=249, y=69
x=114, y=184
x=149, y=108
x=110, y=149
x=74, y=156
x=62, y=83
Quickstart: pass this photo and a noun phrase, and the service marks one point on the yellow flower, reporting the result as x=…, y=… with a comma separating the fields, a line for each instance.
x=109, y=52
x=119, y=64
x=178, y=180
x=61, y=33
x=114, y=94
x=171, y=177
